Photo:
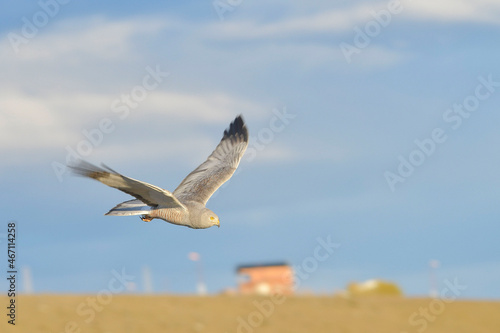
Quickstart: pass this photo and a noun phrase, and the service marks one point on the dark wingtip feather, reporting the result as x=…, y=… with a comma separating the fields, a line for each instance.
x=86, y=169
x=237, y=129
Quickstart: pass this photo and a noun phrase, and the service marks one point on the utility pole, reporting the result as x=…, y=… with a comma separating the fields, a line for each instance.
x=201, y=287
x=433, y=266
x=146, y=280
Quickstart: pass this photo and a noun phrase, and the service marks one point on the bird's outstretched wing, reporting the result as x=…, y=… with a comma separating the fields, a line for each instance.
x=200, y=184
x=149, y=194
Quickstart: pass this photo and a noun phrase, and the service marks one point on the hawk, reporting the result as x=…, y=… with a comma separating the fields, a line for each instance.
x=186, y=205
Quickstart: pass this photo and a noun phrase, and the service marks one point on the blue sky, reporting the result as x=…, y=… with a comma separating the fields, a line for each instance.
x=418, y=74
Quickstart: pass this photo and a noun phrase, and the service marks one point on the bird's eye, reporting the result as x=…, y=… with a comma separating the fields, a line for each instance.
x=212, y=218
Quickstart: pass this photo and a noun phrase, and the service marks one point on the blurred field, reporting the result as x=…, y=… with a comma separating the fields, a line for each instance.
x=130, y=313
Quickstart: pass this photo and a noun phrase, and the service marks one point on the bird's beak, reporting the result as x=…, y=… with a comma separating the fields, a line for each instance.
x=217, y=224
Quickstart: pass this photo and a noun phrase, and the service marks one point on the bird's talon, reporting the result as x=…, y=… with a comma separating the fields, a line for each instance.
x=146, y=218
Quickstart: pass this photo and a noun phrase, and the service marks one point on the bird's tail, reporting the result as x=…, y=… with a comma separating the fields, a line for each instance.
x=131, y=207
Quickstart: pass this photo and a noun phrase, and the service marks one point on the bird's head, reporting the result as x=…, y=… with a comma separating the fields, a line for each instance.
x=209, y=218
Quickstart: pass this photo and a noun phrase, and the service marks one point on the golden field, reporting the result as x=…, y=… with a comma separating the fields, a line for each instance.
x=165, y=313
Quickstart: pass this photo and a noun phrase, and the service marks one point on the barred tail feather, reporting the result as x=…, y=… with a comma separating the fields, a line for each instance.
x=131, y=207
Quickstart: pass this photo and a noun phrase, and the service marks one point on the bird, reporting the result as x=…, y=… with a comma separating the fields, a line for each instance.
x=186, y=205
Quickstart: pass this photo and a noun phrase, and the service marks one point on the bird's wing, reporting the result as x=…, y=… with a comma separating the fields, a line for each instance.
x=149, y=194
x=200, y=184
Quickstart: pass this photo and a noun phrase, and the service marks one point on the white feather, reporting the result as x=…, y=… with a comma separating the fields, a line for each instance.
x=131, y=207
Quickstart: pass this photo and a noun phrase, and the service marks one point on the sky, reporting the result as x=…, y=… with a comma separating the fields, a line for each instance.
x=373, y=140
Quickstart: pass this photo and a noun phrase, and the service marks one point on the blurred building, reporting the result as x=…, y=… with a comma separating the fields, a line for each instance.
x=265, y=279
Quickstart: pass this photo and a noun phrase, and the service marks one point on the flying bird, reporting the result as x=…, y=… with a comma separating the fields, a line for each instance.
x=186, y=205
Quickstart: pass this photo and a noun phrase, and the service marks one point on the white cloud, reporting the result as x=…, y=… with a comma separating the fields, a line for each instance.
x=167, y=150
x=341, y=20
x=88, y=37
x=274, y=153
x=72, y=53
x=45, y=121
x=53, y=116
x=29, y=122
x=486, y=11
x=209, y=107
x=330, y=21
x=40, y=110
x=378, y=57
